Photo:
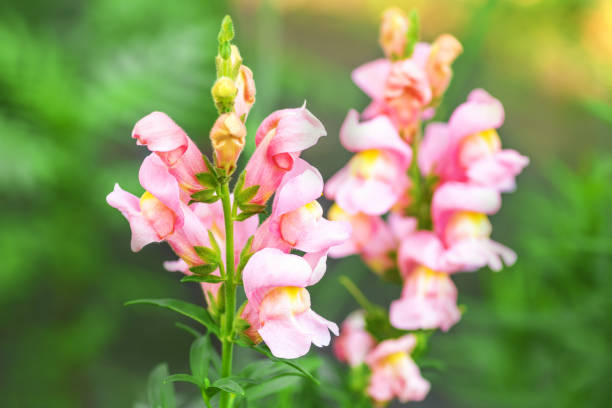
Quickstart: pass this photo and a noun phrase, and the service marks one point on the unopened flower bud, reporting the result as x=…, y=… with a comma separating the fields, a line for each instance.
x=224, y=92
x=444, y=50
x=393, y=30
x=228, y=138
x=246, y=92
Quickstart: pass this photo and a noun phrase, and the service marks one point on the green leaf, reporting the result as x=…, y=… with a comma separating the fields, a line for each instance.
x=239, y=183
x=213, y=242
x=205, y=196
x=412, y=35
x=204, y=269
x=159, y=393
x=270, y=387
x=226, y=33
x=229, y=385
x=211, y=168
x=197, y=313
x=244, y=216
x=252, y=208
x=203, y=278
x=304, y=373
x=199, y=358
x=183, y=378
x=245, y=255
x=208, y=179
x=208, y=255
x=246, y=195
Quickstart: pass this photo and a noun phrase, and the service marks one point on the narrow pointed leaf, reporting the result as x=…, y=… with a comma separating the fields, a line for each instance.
x=159, y=393
x=182, y=378
x=199, y=358
x=247, y=194
x=228, y=385
x=204, y=269
x=207, y=255
x=203, y=278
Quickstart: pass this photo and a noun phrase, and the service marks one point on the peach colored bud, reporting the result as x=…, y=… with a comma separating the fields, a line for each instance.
x=246, y=92
x=444, y=50
x=393, y=30
x=228, y=137
x=223, y=92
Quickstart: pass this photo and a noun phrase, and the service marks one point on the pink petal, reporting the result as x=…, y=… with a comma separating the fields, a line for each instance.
x=434, y=147
x=129, y=205
x=402, y=344
x=323, y=235
x=160, y=134
x=318, y=263
x=499, y=170
x=480, y=112
x=316, y=328
x=285, y=338
x=372, y=76
x=422, y=247
x=156, y=179
x=300, y=186
x=377, y=133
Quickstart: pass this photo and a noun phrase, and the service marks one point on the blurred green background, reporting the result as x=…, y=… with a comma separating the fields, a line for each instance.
x=76, y=75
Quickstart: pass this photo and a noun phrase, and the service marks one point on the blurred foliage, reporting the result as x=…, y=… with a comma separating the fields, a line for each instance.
x=541, y=334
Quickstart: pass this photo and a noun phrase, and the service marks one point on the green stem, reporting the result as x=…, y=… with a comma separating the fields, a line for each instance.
x=227, y=345
x=357, y=294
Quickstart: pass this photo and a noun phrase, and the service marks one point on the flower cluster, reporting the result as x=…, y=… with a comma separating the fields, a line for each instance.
x=437, y=191
x=217, y=236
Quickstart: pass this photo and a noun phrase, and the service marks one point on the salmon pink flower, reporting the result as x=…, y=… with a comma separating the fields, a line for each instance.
x=429, y=301
x=371, y=238
x=468, y=148
x=280, y=139
x=444, y=50
x=297, y=218
x=246, y=92
x=377, y=170
x=175, y=149
x=354, y=342
x=393, y=30
x=394, y=374
x=278, y=307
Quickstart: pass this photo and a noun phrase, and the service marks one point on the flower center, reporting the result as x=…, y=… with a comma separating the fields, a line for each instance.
x=467, y=224
x=478, y=146
x=157, y=214
x=395, y=358
x=365, y=164
x=284, y=301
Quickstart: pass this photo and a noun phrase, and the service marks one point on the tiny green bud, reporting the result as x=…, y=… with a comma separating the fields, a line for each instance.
x=226, y=33
x=224, y=92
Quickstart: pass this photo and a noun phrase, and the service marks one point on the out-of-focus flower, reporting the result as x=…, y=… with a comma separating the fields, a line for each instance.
x=370, y=237
x=280, y=139
x=172, y=145
x=228, y=138
x=354, y=342
x=377, y=170
x=393, y=30
x=394, y=374
x=278, y=307
x=428, y=301
x=444, y=50
x=297, y=218
x=468, y=148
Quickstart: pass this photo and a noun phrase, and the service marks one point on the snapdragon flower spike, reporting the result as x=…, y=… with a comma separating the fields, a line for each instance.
x=172, y=145
x=354, y=342
x=428, y=301
x=377, y=170
x=460, y=241
x=278, y=307
x=371, y=238
x=211, y=216
x=280, y=139
x=394, y=373
x=297, y=218
x=468, y=148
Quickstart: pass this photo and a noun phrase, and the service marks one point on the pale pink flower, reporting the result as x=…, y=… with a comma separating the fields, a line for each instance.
x=175, y=149
x=354, y=342
x=428, y=301
x=394, y=373
x=371, y=238
x=461, y=241
x=297, y=219
x=278, y=307
x=377, y=170
x=468, y=148
x=280, y=139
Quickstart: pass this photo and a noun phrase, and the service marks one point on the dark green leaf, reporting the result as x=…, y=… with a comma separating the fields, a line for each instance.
x=188, y=329
x=228, y=385
x=182, y=378
x=271, y=387
x=199, y=358
x=245, y=255
x=203, y=278
x=252, y=208
x=213, y=242
x=246, y=195
x=211, y=168
x=209, y=180
x=239, y=183
x=264, y=350
x=204, y=269
x=205, y=196
x=159, y=393
x=208, y=255
x=197, y=313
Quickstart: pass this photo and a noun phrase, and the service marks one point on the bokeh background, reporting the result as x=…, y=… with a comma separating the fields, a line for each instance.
x=76, y=75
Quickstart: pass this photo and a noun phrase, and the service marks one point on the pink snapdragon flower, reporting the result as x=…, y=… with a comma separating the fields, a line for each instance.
x=278, y=307
x=468, y=148
x=394, y=374
x=172, y=145
x=371, y=238
x=428, y=301
x=280, y=139
x=354, y=342
x=246, y=92
x=377, y=170
x=297, y=218
x=460, y=241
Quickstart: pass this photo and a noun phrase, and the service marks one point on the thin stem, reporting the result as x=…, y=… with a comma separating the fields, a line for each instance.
x=357, y=294
x=206, y=399
x=227, y=345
